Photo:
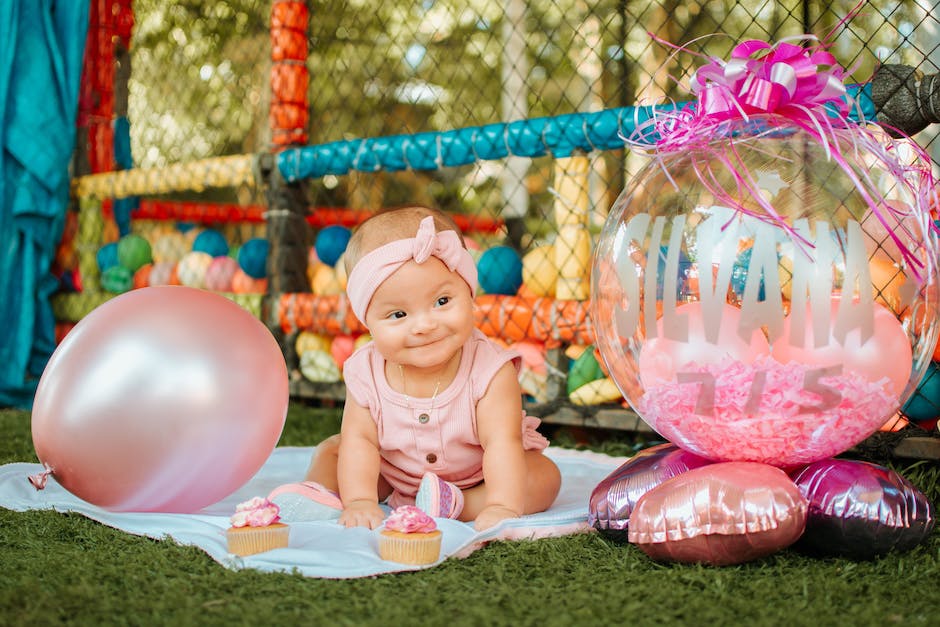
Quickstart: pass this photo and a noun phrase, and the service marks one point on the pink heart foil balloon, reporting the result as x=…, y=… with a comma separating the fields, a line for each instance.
x=724, y=513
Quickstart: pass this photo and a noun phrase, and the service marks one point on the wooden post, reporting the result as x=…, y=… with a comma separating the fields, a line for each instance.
x=573, y=243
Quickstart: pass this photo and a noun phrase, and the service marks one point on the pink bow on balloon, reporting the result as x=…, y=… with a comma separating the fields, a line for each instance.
x=780, y=78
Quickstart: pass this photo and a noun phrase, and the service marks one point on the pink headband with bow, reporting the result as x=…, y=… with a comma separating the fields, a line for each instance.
x=381, y=263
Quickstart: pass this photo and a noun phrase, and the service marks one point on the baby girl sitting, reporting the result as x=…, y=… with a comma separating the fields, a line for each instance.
x=433, y=412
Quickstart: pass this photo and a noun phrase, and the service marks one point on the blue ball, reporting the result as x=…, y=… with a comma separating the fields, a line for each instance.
x=107, y=256
x=739, y=275
x=924, y=403
x=500, y=271
x=212, y=242
x=253, y=257
x=682, y=280
x=331, y=243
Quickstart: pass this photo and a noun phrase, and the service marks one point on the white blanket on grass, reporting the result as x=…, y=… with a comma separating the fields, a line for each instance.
x=324, y=548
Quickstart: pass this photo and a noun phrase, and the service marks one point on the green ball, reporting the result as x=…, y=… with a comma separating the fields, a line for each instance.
x=583, y=370
x=134, y=252
x=117, y=279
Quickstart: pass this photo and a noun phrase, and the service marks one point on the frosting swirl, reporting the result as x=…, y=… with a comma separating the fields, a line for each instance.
x=256, y=512
x=409, y=519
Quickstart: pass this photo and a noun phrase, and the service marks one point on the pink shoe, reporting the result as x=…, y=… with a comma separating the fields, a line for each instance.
x=306, y=501
x=438, y=498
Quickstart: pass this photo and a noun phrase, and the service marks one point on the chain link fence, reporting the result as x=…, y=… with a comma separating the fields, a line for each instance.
x=200, y=78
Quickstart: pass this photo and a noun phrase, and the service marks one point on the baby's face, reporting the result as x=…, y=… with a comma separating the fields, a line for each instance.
x=421, y=315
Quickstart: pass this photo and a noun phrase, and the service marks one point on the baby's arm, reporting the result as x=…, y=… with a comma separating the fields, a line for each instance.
x=504, y=468
x=358, y=468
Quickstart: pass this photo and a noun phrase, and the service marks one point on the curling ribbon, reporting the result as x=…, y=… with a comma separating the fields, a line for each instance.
x=39, y=480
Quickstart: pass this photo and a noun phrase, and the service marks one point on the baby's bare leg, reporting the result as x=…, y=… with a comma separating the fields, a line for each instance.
x=543, y=481
x=322, y=467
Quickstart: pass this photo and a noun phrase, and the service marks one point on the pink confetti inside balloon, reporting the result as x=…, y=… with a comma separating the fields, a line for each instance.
x=163, y=399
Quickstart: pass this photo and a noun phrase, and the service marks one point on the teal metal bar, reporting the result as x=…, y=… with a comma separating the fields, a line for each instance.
x=559, y=136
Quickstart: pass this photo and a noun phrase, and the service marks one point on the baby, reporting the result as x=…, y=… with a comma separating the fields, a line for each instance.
x=433, y=412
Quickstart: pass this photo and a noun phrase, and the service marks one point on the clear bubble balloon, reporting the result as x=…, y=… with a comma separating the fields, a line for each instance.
x=757, y=300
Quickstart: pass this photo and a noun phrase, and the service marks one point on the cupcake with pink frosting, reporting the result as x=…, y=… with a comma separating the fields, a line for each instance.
x=410, y=537
x=255, y=528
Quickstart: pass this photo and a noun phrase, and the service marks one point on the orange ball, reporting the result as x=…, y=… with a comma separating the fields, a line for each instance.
x=244, y=284
x=142, y=276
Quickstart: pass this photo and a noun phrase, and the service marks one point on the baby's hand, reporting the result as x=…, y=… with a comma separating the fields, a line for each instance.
x=492, y=515
x=362, y=514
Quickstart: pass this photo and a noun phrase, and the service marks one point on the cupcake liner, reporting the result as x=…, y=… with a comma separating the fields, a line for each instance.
x=250, y=540
x=410, y=548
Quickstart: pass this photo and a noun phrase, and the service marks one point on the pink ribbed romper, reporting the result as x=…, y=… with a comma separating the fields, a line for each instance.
x=415, y=437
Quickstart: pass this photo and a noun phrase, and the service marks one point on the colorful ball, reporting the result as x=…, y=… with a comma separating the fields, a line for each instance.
x=539, y=271
x=309, y=341
x=253, y=257
x=219, y=274
x=212, y=242
x=117, y=279
x=107, y=256
x=341, y=348
x=161, y=273
x=169, y=248
x=583, y=370
x=142, y=276
x=133, y=251
x=532, y=354
x=190, y=233
x=341, y=275
x=244, y=284
x=924, y=405
x=318, y=366
x=325, y=281
x=192, y=269
x=331, y=243
x=500, y=271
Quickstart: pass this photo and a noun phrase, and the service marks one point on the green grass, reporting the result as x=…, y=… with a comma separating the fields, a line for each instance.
x=65, y=568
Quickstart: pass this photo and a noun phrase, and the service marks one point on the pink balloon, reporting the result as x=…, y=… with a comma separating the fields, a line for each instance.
x=725, y=513
x=661, y=358
x=219, y=274
x=887, y=353
x=162, y=399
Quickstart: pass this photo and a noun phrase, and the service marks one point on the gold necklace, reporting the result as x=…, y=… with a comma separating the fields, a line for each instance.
x=404, y=388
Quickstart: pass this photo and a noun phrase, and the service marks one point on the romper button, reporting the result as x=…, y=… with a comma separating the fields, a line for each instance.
x=423, y=418
x=431, y=458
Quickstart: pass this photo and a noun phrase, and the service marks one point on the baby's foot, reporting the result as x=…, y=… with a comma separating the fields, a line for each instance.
x=306, y=501
x=439, y=498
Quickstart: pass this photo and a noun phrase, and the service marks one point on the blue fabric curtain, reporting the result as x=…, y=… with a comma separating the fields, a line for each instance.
x=40, y=69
